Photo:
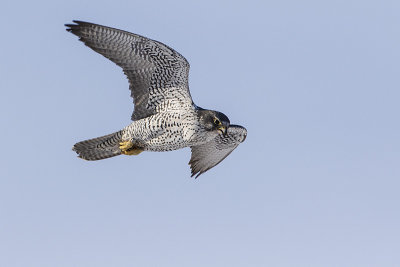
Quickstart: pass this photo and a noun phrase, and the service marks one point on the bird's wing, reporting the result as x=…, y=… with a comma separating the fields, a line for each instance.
x=207, y=155
x=156, y=72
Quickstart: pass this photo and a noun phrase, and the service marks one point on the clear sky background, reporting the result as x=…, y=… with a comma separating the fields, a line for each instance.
x=316, y=183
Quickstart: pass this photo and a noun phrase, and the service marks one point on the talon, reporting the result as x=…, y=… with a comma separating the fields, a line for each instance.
x=125, y=145
x=128, y=148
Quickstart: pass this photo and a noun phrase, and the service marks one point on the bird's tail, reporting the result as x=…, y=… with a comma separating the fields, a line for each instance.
x=99, y=148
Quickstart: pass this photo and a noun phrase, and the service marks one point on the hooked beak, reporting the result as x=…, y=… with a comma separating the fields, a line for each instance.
x=223, y=129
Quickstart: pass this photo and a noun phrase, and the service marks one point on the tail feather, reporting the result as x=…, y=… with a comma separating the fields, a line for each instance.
x=99, y=148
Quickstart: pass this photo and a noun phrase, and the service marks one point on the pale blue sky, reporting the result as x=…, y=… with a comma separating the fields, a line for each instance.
x=316, y=183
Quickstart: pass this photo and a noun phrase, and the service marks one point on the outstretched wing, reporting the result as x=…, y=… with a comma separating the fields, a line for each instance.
x=156, y=72
x=207, y=155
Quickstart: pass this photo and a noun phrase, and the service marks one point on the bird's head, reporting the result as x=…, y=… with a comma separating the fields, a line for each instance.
x=214, y=121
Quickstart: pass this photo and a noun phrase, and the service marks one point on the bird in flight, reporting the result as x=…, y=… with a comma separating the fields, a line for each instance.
x=164, y=117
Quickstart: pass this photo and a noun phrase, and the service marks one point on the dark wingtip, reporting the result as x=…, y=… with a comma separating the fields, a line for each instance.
x=72, y=27
x=194, y=173
x=193, y=169
x=69, y=27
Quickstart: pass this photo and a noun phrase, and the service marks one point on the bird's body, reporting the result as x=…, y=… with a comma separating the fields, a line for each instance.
x=166, y=131
x=165, y=117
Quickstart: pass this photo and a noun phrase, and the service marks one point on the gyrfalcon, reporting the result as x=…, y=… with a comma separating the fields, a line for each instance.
x=165, y=117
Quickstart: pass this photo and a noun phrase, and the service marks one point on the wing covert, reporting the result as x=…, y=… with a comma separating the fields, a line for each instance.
x=208, y=155
x=153, y=68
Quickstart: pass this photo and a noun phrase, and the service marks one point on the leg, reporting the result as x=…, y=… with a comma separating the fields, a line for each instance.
x=129, y=148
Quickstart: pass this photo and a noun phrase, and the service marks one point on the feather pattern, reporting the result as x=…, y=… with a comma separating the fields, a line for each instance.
x=152, y=67
x=208, y=155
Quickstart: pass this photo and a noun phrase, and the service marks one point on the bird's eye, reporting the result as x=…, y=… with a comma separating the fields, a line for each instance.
x=216, y=121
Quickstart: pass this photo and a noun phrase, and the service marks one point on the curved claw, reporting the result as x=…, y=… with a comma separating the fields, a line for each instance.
x=128, y=148
x=125, y=145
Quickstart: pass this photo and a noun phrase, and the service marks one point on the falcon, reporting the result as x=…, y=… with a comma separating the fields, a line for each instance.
x=165, y=117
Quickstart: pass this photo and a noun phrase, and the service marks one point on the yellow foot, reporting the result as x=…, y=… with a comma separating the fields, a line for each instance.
x=125, y=145
x=128, y=148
